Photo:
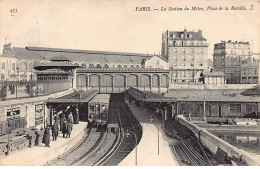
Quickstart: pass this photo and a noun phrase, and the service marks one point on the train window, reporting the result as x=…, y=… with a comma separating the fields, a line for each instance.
x=98, y=107
x=103, y=108
x=92, y=107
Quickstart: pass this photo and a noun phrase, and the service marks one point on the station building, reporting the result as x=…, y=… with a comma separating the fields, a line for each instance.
x=17, y=63
x=64, y=72
x=219, y=105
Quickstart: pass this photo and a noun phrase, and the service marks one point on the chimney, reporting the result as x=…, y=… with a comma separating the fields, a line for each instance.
x=200, y=33
x=7, y=47
x=185, y=31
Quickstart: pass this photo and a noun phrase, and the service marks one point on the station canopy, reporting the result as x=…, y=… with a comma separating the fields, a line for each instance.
x=75, y=97
x=148, y=96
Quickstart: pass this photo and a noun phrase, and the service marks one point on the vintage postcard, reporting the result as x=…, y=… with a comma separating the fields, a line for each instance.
x=129, y=83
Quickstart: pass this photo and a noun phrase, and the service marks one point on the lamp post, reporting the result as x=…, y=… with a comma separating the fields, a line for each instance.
x=8, y=145
x=204, y=103
x=127, y=135
x=157, y=112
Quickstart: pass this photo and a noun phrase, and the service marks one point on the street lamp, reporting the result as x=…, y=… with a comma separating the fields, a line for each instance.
x=127, y=134
x=204, y=103
x=157, y=112
x=8, y=145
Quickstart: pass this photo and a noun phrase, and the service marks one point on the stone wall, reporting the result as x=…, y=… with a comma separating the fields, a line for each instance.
x=212, y=142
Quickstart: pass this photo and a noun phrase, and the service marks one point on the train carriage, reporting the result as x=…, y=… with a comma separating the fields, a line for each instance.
x=98, y=110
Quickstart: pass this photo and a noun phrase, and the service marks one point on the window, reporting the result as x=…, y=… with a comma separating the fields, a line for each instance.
x=183, y=51
x=91, y=66
x=3, y=66
x=255, y=71
x=105, y=66
x=98, y=66
x=13, y=66
x=83, y=65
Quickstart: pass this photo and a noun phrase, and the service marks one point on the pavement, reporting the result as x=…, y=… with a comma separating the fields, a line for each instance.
x=39, y=155
x=147, y=149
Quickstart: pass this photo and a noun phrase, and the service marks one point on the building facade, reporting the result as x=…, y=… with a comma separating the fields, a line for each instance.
x=228, y=57
x=250, y=71
x=17, y=63
x=187, y=54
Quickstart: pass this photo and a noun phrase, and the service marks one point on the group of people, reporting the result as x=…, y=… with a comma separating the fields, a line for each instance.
x=66, y=126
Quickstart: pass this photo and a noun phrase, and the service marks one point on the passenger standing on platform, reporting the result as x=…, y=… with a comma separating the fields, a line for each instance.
x=55, y=130
x=69, y=129
x=37, y=136
x=70, y=118
x=62, y=121
x=46, y=137
x=56, y=119
x=64, y=127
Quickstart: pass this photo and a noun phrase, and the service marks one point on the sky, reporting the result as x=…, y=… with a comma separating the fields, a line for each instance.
x=115, y=25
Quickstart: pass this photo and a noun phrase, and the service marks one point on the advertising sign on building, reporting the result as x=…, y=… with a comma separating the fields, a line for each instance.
x=38, y=114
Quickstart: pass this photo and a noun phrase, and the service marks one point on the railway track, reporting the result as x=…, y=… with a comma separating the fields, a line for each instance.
x=102, y=148
x=186, y=151
x=124, y=144
x=77, y=155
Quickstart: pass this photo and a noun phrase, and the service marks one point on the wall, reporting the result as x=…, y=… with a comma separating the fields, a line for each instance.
x=212, y=86
x=212, y=142
x=27, y=107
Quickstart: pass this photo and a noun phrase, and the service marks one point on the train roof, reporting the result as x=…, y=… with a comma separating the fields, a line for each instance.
x=100, y=98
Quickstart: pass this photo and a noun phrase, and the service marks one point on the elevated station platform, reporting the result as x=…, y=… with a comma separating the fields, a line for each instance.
x=147, y=149
x=40, y=155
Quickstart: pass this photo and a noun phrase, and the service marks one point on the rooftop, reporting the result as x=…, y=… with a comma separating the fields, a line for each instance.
x=178, y=35
x=209, y=73
x=76, y=97
x=193, y=96
x=42, y=53
x=211, y=95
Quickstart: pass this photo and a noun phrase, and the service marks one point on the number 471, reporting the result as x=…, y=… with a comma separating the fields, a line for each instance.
x=13, y=10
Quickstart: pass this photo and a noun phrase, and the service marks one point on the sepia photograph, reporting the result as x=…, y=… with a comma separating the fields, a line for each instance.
x=129, y=83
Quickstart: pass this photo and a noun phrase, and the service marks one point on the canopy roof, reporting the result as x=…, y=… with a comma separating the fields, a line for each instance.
x=76, y=97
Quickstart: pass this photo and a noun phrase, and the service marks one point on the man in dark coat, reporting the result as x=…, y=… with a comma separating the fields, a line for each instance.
x=46, y=137
x=69, y=129
x=64, y=128
x=55, y=130
x=62, y=121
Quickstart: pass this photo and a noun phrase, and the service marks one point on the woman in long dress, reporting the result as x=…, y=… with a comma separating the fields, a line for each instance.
x=46, y=137
x=64, y=128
